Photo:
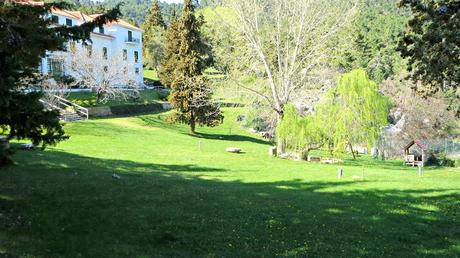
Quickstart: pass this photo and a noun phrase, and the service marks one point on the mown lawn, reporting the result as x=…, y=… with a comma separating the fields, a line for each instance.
x=174, y=199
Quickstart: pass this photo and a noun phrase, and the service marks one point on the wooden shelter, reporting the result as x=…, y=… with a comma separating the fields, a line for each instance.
x=415, y=159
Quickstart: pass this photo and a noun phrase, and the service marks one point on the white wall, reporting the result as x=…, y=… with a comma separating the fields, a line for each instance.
x=115, y=41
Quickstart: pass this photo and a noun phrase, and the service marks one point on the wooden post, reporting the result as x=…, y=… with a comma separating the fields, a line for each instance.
x=199, y=145
x=340, y=173
x=420, y=172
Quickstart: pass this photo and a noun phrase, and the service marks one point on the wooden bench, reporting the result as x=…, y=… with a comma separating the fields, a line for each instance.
x=413, y=160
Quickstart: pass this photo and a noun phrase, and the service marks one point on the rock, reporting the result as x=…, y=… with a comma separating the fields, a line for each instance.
x=4, y=143
x=252, y=130
x=233, y=150
x=116, y=176
x=272, y=151
x=27, y=146
x=314, y=159
x=266, y=135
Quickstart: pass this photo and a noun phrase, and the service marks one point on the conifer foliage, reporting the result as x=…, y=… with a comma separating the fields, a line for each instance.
x=26, y=36
x=171, y=52
x=191, y=95
x=154, y=36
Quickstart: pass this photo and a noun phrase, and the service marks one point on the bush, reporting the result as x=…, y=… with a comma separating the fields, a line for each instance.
x=445, y=161
x=440, y=160
x=163, y=95
x=135, y=109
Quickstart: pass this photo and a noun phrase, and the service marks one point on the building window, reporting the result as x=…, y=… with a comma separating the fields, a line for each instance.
x=130, y=36
x=125, y=54
x=137, y=70
x=104, y=53
x=101, y=30
x=68, y=22
x=54, y=19
x=55, y=67
x=136, y=56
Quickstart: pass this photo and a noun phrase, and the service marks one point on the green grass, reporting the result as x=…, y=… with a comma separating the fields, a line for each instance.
x=150, y=75
x=176, y=200
x=88, y=99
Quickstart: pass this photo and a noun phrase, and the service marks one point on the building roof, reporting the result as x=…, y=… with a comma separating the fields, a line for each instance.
x=80, y=15
x=418, y=143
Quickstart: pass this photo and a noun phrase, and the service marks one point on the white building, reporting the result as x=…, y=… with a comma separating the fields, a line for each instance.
x=115, y=39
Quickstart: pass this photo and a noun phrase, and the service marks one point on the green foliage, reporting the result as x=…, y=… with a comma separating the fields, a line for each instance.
x=354, y=111
x=375, y=34
x=191, y=95
x=26, y=37
x=431, y=43
x=166, y=71
x=298, y=133
x=154, y=36
x=228, y=50
x=123, y=110
x=136, y=9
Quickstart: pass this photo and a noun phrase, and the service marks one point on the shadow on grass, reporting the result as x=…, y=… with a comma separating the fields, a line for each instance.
x=158, y=120
x=61, y=204
x=231, y=138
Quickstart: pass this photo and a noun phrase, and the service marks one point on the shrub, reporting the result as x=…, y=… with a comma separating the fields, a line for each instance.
x=135, y=109
x=440, y=160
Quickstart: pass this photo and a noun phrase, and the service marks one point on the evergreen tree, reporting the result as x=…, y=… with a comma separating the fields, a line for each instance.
x=171, y=52
x=154, y=36
x=190, y=94
x=154, y=17
x=26, y=37
x=431, y=44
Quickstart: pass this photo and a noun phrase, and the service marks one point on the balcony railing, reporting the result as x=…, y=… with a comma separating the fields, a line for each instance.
x=132, y=40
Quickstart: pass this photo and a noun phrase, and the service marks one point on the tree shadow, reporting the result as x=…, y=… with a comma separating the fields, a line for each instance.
x=230, y=137
x=66, y=205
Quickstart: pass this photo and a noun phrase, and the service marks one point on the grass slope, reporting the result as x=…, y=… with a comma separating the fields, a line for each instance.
x=176, y=200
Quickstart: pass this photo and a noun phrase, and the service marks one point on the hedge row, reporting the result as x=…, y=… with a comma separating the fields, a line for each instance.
x=121, y=110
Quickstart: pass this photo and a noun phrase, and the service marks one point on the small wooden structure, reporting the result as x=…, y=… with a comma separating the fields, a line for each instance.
x=415, y=159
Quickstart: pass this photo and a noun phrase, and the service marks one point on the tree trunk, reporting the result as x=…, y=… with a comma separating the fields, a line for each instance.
x=5, y=151
x=98, y=96
x=280, y=148
x=192, y=123
x=352, y=151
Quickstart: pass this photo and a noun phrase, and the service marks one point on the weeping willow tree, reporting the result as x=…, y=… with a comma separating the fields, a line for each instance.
x=353, y=112
x=300, y=134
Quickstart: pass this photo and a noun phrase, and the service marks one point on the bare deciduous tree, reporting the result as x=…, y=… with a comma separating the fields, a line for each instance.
x=110, y=76
x=289, y=39
x=54, y=89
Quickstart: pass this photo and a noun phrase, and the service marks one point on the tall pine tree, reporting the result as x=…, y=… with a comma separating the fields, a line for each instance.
x=191, y=95
x=26, y=37
x=154, y=36
x=171, y=52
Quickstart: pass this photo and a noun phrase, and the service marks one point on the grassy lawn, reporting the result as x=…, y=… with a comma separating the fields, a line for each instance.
x=88, y=99
x=174, y=199
x=150, y=75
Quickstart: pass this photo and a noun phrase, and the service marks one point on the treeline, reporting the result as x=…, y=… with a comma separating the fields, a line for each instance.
x=133, y=11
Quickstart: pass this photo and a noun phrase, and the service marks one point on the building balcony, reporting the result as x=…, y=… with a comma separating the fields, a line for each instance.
x=132, y=40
